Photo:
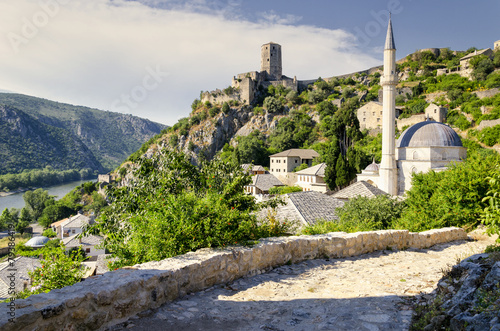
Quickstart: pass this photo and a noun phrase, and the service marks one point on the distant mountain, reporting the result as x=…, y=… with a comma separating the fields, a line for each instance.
x=36, y=132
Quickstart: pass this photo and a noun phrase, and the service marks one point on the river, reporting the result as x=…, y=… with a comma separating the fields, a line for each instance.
x=16, y=200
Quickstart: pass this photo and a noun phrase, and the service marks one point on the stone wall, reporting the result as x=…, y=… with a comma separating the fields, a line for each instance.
x=488, y=124
x=109, y=299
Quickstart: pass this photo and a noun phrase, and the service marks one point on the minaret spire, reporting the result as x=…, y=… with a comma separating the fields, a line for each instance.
x=389, y=39
x=388, y=170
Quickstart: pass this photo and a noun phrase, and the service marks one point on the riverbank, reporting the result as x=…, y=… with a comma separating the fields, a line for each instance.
x=15, y=199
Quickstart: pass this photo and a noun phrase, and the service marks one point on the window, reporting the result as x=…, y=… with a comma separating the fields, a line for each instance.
x=72, y=231
x=380, y=112
x=272, y=161
x=364, y=119
x=87, y=250
x=378, y=119
x=373, y=113
x=364, y=113
x=435, y=110
x=284, y=161
x=296, y=161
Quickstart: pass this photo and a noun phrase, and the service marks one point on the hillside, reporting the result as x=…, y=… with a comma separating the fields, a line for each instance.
x=28, y=142
x=66, y=136
x=323, y=115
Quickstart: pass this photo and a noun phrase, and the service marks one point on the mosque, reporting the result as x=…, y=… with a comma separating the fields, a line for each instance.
x=422, y=147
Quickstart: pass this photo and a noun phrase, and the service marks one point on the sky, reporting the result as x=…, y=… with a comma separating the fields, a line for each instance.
x=151, y=58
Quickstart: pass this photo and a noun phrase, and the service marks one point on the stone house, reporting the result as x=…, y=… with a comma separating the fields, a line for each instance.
x=306, y=208
x=282, y=164
x=370, y=115
x=86, y=243
x=436, y=113
x=253, y=169
x=465, y=68
x=261, y=183
x=313, y=178
x=70, y=226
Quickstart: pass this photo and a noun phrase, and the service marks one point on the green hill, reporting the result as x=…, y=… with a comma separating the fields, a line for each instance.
x=37, y=132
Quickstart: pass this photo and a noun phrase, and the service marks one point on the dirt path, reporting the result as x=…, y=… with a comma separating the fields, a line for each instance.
x=368, y=292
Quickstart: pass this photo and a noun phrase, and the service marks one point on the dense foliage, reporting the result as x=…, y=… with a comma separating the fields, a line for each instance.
x=172, y=207
x=362, y=214
x=491, y=212
x=59, y=269
x=449, y=198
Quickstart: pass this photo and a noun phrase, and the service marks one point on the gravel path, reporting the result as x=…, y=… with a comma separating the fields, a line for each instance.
x=369, y=292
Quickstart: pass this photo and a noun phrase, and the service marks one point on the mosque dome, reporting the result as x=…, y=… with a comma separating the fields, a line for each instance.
x=39, y=241
x=373, y=167
x=429, y=134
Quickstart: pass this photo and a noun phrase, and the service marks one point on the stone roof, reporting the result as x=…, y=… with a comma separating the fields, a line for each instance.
x=102, y=263
x=313, y=206
x=77, y=221
x=475, y=53
x=302, y=153
x=317, y=170
x=23, y=265
x=265, y=181
x=389, y=39
x=429, y=134
x=74, y=240
x=361, y=188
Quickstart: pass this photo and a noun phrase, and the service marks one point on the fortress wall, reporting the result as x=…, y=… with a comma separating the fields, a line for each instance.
x=488, y=124
x=109, y=299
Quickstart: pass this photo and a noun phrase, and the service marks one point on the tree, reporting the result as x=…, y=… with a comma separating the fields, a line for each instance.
x=35, y=202
x=58, y=270
x=23, y=221
x=272, y=105
x=342, y=172
x=367, y=214
x=491, y=213
x=172, y=207
x=330, y=159
x=482, y=69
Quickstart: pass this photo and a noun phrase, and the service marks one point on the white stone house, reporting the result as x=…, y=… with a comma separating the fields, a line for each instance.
x=465, y=68
x=282, y=164
x=87, y=243
x=70, y=226
x=313, y=178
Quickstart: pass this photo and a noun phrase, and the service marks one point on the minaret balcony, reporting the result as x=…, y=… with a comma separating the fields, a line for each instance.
x=389, y=80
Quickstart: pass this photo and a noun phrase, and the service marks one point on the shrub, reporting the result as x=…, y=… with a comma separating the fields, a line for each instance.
x=49, y=233
x=225, y=108
x=284, y=189
x=272, y=105
x=213, y=111
x=172, y=207
x=491, y=213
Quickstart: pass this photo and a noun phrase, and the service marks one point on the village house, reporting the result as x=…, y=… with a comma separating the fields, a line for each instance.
x=283, y=164
x=70, y=226
x=261, y=183
x=88, y=244
x=465, y=67
x=312, y=178
x=253, y=169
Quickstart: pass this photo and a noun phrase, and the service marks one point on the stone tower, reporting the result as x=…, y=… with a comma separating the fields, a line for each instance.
x=270, y=60
x=388, y=169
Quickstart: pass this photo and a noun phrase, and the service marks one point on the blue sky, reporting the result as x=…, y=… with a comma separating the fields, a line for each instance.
x=151, y=58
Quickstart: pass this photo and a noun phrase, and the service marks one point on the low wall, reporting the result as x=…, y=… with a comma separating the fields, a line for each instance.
x=488, y=124
x=117, y=295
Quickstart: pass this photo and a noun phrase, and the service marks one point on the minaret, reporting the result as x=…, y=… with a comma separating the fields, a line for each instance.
x=388, y=169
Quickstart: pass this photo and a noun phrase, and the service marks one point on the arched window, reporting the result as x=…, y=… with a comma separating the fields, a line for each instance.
x=415, y=155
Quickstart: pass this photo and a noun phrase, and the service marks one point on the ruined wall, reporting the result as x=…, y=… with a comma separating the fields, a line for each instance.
x=112, y=298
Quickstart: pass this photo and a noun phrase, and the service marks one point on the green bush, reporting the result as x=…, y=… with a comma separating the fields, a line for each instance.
x=491, y=212
x=272, y=105
x=49, y=233
x=284, y=189
x=449, y=198
x=225, y=108
x=172, y=207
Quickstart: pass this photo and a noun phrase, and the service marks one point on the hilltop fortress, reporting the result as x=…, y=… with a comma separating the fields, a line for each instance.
x=245, y=87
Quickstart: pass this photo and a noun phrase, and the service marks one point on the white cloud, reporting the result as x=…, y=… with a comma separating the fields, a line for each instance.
x=271, y=17
x=92, y=52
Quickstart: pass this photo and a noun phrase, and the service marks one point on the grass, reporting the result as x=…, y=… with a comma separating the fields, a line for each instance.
x=19, y=239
